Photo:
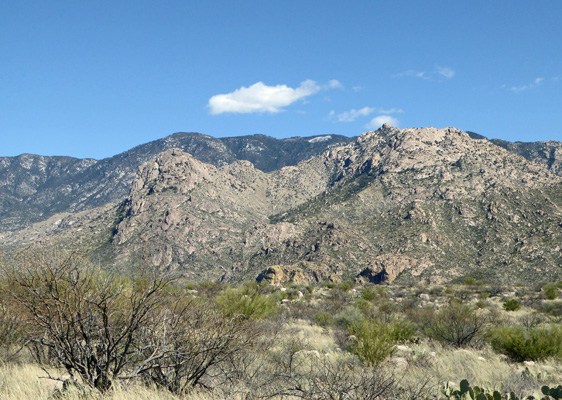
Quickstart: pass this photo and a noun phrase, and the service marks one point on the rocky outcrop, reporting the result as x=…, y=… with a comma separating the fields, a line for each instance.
x=301, y=273
x=386, y=268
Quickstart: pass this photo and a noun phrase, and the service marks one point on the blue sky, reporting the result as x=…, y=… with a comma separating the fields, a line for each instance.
x=94, y=78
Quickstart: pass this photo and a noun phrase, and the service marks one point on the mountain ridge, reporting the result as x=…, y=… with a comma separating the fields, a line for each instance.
x=29, y=195
x=414, y=204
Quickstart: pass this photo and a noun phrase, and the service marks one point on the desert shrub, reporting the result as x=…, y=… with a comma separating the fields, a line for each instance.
x=301, y=374
x=364, y=305
x=369, y=293
x=372, y=341
x=457, y=324
x=348, y=316
x=12, y=332
x=91, y=322
x=346, y=286
x=248, y=302
x=323, y=319
x=436, y=290
x=375, y=340
x=103, y=327
x=532, y=320
x=469, y=280
x=511, y=305
x=192, y=345
x=551, y=307
x=550, y=291
x=522, y=344
x=481, y=304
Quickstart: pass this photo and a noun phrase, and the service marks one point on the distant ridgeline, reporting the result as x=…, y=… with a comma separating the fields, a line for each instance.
x=414, y=204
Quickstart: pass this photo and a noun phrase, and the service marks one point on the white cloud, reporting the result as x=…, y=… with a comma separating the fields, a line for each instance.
x=261, y=98
x=522, y=88
x=352, y=115
x=445, y=71
x=380, y=120
x=335, y=84
x=411, y=73
x=391, y=110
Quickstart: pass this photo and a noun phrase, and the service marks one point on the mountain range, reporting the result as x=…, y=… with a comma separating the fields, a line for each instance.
x=419, y=204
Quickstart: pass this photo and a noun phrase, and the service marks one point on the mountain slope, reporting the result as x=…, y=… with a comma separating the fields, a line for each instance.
x=33, y=188
x=415, y=204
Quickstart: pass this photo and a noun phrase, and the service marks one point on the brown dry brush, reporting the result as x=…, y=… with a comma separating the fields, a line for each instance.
x=192, y=343
x=299, y=373
x=101, y=327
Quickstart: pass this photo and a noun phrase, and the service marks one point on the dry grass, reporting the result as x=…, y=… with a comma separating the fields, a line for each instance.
x=27, y=382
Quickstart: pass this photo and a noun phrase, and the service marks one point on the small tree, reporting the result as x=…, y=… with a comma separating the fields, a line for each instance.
x=191, y=340
x=457, y=325
x=90, y=321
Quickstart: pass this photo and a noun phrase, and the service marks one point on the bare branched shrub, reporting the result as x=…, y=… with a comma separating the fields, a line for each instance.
x=303, y=374
x=457, y=324
x=101, y=327
x=89, y=321
x=193, y=342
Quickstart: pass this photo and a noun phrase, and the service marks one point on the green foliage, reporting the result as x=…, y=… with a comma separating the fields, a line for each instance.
x=458, y=324
x=552, y=307
x=248, y=302
x=346, y=286
x=466, y=392
x=550, y=291
x=511, y=305
x=348, y=316
x=481, y=304
x=470, y=281
x=522, y=344
x=369, y=293
x=375, y=340
x=323, y=319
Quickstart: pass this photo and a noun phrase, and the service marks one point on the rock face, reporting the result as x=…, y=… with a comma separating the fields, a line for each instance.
x=301, y=273
x=415, y=204
x=34, y=188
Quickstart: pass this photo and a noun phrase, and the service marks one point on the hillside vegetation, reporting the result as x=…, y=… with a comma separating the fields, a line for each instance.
x=92, y=334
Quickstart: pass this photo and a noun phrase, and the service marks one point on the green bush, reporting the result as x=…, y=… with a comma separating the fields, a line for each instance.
x=348, y=316
x=247, y=301
x=481, y=304
x=511, y=305
x=346, y=286
x=550, y=291
x=458, y=324
x=552, y=307
x=522, y=344
x=323, y=319
x=368, y=293
x=374, y=340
